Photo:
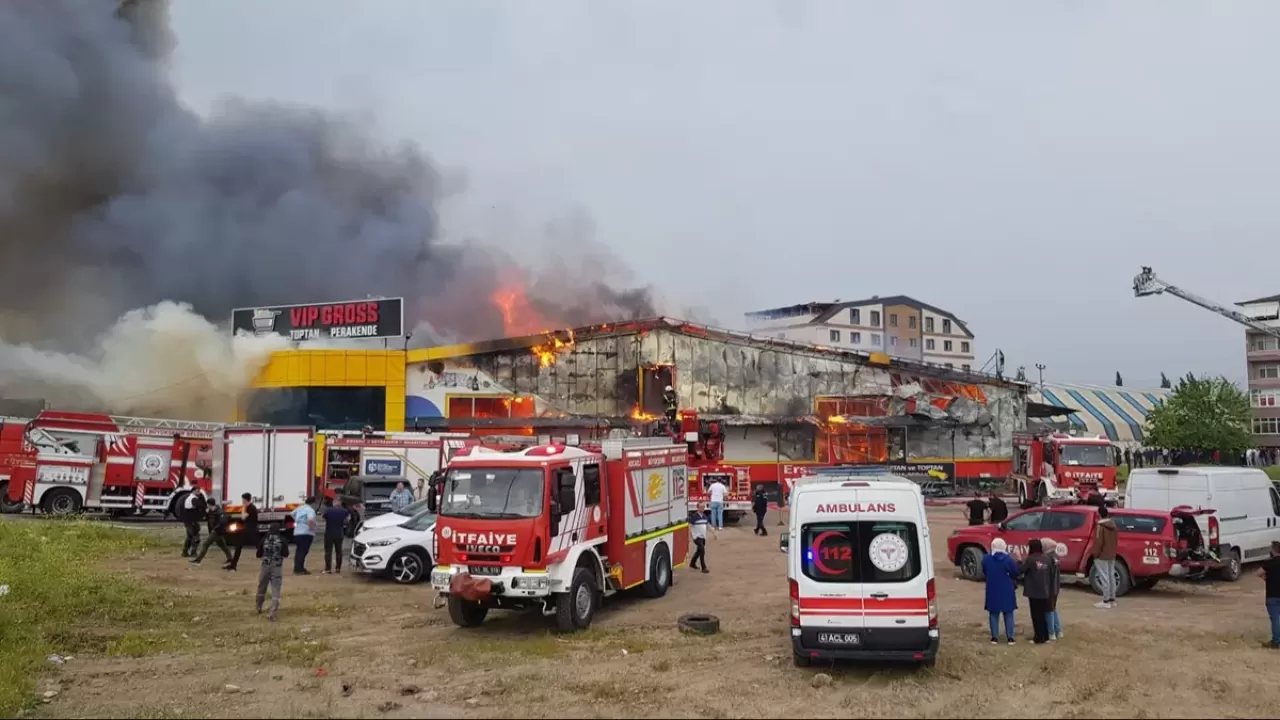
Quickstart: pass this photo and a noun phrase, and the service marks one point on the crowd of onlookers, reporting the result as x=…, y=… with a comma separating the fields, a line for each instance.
x=1154, y=457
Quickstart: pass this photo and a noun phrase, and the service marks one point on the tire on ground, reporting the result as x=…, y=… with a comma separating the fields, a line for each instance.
x=699, y=624
x=407, y=559
x=5, y=505
x=1231, y=571
x=1124, y=580
x=465, y=613
x=61, y=502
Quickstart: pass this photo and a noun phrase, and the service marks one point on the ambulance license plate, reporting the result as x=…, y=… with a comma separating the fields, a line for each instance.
x=839, y=639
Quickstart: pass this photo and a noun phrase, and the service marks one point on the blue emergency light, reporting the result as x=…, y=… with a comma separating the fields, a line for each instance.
x=850, y=470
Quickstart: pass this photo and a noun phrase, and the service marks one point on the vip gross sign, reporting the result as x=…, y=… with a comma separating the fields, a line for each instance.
x=353, y=319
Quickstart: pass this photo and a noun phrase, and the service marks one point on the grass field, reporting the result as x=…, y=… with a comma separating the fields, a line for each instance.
x=55, y=583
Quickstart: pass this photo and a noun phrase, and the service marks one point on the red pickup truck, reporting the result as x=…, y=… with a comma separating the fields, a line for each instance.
x=1153, y=544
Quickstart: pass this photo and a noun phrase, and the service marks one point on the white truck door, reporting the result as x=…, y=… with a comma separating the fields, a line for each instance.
x=244, y=469
x=289, y=461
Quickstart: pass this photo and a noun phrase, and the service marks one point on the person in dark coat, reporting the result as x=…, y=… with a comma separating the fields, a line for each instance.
x=248, y=535
x=1002, y=598
x=1037, y=588
x=218, y=522
x=760, y=506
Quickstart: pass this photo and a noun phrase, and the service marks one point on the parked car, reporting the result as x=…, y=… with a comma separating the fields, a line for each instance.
x=404, y=552
x=1153, y=544
x=937, y=488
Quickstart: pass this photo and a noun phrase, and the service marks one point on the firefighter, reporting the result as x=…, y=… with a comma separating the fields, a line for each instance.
x=671, y=403
x=760, y=505
x=191, y=513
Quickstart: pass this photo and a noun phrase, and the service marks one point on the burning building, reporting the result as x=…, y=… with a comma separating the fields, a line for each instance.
x=786, y=405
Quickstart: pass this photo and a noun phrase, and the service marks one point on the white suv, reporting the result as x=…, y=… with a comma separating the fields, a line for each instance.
x=404, y=552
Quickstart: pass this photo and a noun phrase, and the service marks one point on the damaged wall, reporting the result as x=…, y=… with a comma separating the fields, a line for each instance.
x=600, y=376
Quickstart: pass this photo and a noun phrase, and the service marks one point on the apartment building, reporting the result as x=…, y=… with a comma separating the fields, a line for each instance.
x=1262, y=358
x=898, y=325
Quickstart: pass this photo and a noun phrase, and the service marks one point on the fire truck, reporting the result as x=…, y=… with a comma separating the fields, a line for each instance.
x=65, y=462
x=705, y=440
x=1054, y=467
x=413, y=456
x=557, y=527
x=274, y=465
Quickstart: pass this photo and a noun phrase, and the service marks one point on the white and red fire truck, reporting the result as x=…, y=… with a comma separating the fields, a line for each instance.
x=413, y=456
x=705, y=440
x=557, y=527
x=1055, y=467
x=65, y=462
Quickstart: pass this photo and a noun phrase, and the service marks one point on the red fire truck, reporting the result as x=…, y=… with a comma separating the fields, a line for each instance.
x=1055, y=467
x=410, y=455
x=65, y=462
x=705, y=440
x=557, y=527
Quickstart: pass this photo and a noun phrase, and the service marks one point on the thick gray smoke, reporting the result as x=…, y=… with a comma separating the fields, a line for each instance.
x=113, y=196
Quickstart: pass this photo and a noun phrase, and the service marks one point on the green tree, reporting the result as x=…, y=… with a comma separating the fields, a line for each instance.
x=1204, y=414
x=1164, y=382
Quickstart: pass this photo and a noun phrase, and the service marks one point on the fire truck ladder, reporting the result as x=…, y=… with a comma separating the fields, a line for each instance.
x=1146, y=283
x=126, y=421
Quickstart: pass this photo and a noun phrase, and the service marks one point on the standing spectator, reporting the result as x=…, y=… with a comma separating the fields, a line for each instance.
x=698, y=532
x=760, y=506
x=717, y=492
x=217, y=534
x=273, y=550
x=400, y=497
x=1128, y=458
x=1037, y=588
x=1106, y=539
x=335, y=528
x=192, y=512
x=1002, y=597
x=1270, y=574
x=304, y=532
x=1055, y=585
x=999, y=510
x=976, y=508
x=248, y=533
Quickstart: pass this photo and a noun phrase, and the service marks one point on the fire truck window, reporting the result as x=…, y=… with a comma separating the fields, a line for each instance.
x=1027, y=521
x=565, y=486
x=492, y=493
x=1063, y=520
x=1087, y=455
x=591, y=485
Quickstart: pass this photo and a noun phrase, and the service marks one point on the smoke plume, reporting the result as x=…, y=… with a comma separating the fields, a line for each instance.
x=114, y=197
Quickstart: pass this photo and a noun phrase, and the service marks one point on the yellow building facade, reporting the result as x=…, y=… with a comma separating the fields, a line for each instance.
x=307, y=369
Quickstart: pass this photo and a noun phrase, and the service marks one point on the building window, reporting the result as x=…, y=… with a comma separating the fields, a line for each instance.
x=928, y=344
x=946, y=346
x=913, y=342
x=835, y=336
x=1268, y=372
x=855, y=338
x=893, y=319
x=1266, y=426
x=855, y=317
x=893, y=341
x=965, y=367
x=950, y=366
x=1263, y=343
x=875, y=318
x=928, y=324
x=1264, y=398
x=946, y=327
x=911, y=321
x=875, y=339
x=964, y=347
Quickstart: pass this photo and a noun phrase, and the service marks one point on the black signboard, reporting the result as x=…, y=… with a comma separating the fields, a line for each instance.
x=350, y=320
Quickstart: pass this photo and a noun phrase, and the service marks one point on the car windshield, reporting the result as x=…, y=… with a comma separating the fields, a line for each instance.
x=493, y=492
x=413, y=508
x=421, y=521
x=1087, y=455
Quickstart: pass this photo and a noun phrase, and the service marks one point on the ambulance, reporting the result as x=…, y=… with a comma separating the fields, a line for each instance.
x=860, y=569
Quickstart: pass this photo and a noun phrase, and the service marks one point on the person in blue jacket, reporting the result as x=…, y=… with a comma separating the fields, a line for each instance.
x=1002, y=597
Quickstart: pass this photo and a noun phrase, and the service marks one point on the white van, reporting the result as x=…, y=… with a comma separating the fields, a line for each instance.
x=860, y=569
x=1247, y=507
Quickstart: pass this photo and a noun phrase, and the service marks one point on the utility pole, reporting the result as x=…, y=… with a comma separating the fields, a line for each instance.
x=1040, y=367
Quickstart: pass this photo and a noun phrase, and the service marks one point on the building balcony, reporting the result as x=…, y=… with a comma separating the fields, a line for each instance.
x=1262, y=355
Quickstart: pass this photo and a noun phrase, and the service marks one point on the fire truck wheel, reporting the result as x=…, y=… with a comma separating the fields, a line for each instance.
x=61, y=502
x=175, y=503
x=465, y=613
x=1042, y=495
x=699, y=624
x=1123, y=579
x=6, y=505
x=576, y=608
x=659, y=573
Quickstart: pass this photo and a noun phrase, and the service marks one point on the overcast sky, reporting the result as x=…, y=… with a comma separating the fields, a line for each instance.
x=1015, y=163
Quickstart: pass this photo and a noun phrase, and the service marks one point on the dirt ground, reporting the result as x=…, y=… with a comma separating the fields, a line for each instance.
x=360, y=647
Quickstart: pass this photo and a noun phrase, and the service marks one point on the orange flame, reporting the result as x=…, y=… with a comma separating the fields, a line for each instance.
x=837, y=419
x=637, y=415
x=548, y=350
x=519, y=316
